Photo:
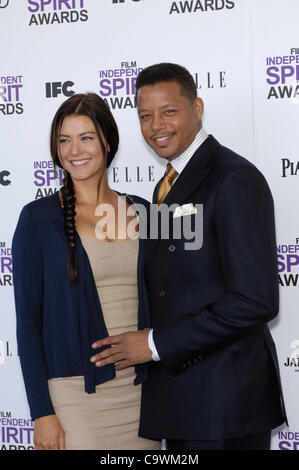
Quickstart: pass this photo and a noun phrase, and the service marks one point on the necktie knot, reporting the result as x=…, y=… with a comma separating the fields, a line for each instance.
x=171, y=173
x=166, y=183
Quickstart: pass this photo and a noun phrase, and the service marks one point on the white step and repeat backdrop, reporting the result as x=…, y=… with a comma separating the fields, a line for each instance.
x=244, y=56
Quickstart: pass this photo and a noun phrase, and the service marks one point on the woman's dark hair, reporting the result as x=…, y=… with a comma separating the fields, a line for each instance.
x=167, y=72
x=97, y=110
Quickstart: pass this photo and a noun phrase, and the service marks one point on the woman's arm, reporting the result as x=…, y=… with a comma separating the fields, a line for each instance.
x=28, y=288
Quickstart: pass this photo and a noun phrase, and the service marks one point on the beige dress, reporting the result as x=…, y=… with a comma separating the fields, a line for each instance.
x=109, y=418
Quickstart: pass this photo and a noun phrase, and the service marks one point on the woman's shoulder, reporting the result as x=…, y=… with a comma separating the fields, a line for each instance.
x=43, y=209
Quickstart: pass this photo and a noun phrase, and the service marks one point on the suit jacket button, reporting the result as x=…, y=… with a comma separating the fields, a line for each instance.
x=171, y=248
x=162, y=293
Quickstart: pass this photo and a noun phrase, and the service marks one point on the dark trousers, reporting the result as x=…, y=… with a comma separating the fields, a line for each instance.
x=258, y=442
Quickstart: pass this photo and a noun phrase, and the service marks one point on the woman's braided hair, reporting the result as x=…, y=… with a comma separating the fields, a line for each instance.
x=97, y=110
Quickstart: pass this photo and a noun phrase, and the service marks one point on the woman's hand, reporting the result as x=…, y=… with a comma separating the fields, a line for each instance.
x=48, y=433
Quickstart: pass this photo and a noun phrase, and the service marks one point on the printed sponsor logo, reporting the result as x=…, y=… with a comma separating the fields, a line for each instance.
x=4, y=178
x=288, y=264
x=292, y=360
x=54, y=89
x=289, y=167
x=6, y=351
x=15, y=433
x=11, y=88
x=288, y=440
x=5, y=265
x=210, y=80
x=45, y=178
x=200, y=6
x=131, y=174
x=49, y=12
x=117, y=86
x=282, y=75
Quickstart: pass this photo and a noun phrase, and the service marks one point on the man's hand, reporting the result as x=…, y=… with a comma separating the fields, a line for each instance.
x=127, y=350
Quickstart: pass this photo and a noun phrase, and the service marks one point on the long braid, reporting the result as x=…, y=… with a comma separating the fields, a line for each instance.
x=68, y=196
x=95, y=108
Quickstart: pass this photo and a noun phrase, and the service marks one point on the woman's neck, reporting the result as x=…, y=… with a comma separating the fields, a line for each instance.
x=94, y=191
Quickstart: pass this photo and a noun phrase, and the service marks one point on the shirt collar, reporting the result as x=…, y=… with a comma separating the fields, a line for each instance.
x=181, y=161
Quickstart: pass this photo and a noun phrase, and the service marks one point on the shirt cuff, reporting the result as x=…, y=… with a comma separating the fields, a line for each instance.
x=151, y=345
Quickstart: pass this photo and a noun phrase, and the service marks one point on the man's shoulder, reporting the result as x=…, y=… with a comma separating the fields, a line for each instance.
x=228, y=166
x=226, y=158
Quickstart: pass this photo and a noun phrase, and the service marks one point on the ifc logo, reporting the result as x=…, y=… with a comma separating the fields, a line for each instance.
x=3, y=178
x=3, y=3
x=53, y=89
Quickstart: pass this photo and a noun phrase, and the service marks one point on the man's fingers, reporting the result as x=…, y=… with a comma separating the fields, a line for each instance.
x=123, y=365
x=105, y=354
x=109, y=360
x=106, y=341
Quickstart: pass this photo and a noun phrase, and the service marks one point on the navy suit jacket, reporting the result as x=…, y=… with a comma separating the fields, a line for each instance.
x=218, y=376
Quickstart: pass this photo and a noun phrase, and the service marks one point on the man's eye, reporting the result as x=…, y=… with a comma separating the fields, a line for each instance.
x=144, y=117
x=170, y=111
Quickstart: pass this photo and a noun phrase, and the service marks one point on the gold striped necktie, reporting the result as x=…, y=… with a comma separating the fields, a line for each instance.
x=166, y=183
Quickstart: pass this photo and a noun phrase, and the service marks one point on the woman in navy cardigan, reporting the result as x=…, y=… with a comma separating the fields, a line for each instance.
x=59, y=314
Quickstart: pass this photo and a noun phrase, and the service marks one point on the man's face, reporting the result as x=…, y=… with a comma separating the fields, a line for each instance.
x=169, y=120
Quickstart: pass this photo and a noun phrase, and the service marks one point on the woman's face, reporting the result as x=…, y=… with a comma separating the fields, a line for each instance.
x=79, y=148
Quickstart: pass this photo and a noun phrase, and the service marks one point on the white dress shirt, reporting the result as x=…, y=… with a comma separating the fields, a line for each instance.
x=179, y=164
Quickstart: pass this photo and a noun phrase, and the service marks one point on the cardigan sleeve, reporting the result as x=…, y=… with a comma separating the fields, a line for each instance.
x=28, y=290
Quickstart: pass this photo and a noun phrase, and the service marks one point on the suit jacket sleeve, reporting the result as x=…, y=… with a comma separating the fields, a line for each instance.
x=28, y=288
x=245, y=234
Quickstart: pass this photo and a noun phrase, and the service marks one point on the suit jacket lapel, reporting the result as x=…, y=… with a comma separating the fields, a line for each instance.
x=193, y=174
x=191, y=177
x=155, y=194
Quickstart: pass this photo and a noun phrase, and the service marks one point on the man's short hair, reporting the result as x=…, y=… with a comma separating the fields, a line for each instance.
x=167, y=72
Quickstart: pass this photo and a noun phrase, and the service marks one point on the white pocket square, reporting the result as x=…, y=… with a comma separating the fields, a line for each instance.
x=185, y=209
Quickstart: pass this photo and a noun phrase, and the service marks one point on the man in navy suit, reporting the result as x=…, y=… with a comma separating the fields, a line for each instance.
x=213, y=379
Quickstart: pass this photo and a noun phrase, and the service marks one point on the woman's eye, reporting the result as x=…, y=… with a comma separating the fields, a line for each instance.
x=86, y=137
x=62, y=141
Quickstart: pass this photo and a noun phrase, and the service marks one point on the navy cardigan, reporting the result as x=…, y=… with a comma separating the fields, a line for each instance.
x=57, y=322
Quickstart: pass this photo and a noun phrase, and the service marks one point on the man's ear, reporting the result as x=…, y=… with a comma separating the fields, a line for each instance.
x=199, y=107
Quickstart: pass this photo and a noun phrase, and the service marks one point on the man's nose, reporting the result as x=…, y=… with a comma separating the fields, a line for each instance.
x=157, y=122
